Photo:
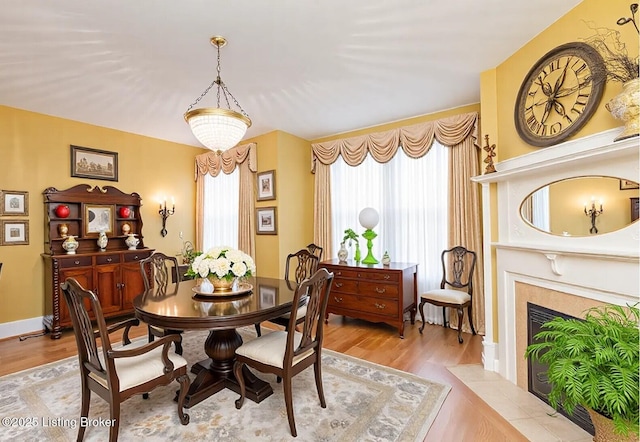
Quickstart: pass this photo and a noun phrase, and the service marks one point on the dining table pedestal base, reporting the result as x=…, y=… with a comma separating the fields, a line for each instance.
x=216, y=372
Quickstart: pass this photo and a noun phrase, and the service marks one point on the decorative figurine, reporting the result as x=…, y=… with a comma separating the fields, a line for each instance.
x=490, y=154
x=126, y=228
x=385, y=259
x=63, y=230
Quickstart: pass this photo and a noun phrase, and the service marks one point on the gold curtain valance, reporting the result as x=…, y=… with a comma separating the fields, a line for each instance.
x=415, y=141
x=211, y=163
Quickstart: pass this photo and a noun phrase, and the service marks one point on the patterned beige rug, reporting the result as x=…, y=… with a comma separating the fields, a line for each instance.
x=365, y=402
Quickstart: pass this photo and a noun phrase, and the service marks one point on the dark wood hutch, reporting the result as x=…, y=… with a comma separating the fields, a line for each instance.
x=113, y=274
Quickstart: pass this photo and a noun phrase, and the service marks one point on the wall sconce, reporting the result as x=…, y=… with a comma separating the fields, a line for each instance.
x=593, y=213
x=369, y=219
x=166, y=213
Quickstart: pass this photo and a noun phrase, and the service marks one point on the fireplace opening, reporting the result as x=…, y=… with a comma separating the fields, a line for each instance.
x=537, y=379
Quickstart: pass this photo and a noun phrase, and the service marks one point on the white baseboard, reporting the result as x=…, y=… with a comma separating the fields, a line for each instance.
x=22, y=327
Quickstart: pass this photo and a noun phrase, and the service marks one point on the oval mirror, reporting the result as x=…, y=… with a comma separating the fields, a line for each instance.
x=582, y=206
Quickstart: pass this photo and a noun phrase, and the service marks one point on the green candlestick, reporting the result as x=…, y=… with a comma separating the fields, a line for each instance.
x=369, y=235
x=357, y=255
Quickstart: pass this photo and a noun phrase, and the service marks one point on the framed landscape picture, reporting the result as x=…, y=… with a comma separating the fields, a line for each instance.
x=14, y=202
x=94, y=163
x=14, y=233
x=266, y=223
x=267, y=185
x=98, y=218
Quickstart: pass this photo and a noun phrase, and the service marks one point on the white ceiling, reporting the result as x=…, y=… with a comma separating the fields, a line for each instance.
x=311, y=68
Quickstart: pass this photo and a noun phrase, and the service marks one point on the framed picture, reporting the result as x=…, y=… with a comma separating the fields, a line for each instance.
x=266, y=223
x=98, y=218
x=628, y=184
x=267, y=185
x=15, y=233
x=268, y=295
x=14, y=202
x=94, y=163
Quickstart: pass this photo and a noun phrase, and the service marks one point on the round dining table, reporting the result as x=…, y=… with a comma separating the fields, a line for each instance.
x=179, y=306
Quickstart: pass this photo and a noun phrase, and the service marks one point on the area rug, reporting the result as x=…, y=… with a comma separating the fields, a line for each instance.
x=365, y=402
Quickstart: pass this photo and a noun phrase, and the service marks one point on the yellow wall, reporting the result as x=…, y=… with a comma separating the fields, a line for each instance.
x=290, y=157
x=34, y=155
x=570, y=28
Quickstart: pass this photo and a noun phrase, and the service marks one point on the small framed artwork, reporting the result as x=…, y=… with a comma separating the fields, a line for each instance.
x=15, y=233
x=14, y=202
x=628, y=184
x=268, y=295
x=267, y=185
x=98, y=218
x=94, y=163
x=266, y=223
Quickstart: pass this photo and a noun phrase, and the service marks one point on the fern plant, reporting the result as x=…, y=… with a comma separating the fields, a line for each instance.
x=594, y=363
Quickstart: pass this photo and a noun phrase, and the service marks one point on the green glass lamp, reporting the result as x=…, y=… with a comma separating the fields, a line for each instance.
x=369, y=219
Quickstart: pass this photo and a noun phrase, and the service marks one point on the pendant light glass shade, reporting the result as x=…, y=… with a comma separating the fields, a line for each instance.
x=216, y=128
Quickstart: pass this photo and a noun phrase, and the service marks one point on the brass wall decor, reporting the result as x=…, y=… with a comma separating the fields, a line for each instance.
x=490, y=154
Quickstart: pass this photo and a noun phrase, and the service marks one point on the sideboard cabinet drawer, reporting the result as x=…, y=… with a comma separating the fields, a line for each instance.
x=76, y=261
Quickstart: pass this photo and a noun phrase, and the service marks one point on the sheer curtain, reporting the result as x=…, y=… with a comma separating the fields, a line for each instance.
x=411, y=197
x=220, y=210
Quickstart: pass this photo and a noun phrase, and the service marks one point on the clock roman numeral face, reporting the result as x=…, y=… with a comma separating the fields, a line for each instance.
x=559, y=94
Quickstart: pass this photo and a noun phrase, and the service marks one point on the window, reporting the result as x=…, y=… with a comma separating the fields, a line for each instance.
x=411, y=197
x=220, y=209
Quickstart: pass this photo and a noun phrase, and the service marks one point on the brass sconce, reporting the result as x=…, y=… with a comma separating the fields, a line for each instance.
x=166, y=213
x=593, y=213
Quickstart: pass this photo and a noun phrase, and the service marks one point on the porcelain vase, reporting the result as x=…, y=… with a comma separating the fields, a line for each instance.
x=626, y=107
x=343, y=253
x=206, y=286
x=102, y=241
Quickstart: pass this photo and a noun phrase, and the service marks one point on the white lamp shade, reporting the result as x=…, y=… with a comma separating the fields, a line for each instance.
x=217, y=129
x=369, y=218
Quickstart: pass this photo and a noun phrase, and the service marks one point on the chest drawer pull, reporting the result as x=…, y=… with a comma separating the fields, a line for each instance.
x=387, y=276
x=76, y=262
x=339, y=284
x=380, y=306
x=380, y=290
x=109, y=259
x=337, y=299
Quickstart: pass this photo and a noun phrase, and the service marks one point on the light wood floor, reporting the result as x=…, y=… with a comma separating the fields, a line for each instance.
x=463, y=417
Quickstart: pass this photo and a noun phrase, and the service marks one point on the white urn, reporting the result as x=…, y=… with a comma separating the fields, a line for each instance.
x=70, y=245
x=131, y=241
x=102, y=241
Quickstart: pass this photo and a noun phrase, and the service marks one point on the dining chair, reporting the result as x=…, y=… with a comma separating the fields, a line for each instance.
x=117, y=372
x=458, y=265
x=299, y=266
x=315, y=250
x=286, y=353
x=158, y=271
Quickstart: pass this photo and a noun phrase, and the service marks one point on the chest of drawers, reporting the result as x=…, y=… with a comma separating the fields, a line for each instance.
x=374, y=293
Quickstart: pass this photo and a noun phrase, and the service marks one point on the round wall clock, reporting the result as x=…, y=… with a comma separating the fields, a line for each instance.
x=559, y=94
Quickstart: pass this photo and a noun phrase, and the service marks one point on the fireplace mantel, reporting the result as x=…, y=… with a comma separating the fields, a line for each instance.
x=601, y=268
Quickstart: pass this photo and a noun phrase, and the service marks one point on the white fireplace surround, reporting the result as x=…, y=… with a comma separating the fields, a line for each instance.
x=601, y=268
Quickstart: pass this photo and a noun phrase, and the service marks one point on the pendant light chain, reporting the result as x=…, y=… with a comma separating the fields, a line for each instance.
x=222, y=86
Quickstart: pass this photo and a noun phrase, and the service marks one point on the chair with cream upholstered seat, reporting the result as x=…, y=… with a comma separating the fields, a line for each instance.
x=158, y=271
x=306, y=264
x=287, y=353
x=118, y=372
x=458, y=265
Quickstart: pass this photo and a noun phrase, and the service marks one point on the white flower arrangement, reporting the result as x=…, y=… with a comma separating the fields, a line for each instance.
x=222, y=262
